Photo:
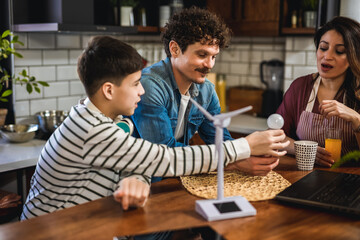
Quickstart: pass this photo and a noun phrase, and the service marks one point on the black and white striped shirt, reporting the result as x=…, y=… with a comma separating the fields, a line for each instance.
x=85, y=157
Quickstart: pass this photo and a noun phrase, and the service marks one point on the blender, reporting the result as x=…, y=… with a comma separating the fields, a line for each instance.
x=272, y=75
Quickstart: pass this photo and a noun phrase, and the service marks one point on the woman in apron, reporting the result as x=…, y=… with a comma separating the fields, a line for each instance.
x=330, y=98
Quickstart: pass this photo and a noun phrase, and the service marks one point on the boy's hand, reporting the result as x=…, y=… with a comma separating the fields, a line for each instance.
x=267, y=143
x=132, y=193
x=259, y=166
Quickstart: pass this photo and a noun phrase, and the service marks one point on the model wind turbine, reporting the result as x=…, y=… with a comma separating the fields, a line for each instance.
x=222, y=208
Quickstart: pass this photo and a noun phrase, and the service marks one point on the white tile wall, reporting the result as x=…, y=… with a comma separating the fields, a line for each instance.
x=239, y=68
x=230, y=56
x=21, y=93
x=30, y=58
x=67, y=102
x=304, y=44
x=301, y=71
x=74, y=54
x=43, y=104
x=53, y=58
x=240, y=62
x=57, y=89
x=66, y=72
x=300, y=58
x=256, y=56
x=295, y=58
x=311, y=58
x=77, y=88
x=68, y=41
x=22, y=108
x=41, y=41
x=43, y=73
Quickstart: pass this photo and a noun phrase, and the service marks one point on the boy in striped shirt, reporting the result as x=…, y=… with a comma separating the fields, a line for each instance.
x=90, y=157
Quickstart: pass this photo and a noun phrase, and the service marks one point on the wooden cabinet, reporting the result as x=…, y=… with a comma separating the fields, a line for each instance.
x=290, y=10
x=249, y=17
x=239, y=97
x=261, y=17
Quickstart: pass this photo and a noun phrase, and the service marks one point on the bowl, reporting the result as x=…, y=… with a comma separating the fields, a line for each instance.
x=49, y=120
x=19, y=132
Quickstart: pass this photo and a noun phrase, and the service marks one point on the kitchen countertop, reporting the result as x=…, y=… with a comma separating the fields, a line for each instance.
x=247, y=124
x=15, y=156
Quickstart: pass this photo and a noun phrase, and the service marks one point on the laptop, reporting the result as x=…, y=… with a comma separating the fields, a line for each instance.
x=203, y=233
x=324, y=189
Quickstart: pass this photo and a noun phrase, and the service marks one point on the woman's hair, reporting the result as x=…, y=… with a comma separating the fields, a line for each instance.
x=106, y=59
x=195, y=25
x=350, y=32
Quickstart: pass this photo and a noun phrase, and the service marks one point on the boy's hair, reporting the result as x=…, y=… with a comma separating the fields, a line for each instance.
x=106, y=59
x=195, y=25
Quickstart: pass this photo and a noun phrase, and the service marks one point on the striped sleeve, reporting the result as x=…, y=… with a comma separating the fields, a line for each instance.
x=115, y=149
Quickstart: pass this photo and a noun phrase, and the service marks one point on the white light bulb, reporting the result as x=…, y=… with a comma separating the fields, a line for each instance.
x=275, y=121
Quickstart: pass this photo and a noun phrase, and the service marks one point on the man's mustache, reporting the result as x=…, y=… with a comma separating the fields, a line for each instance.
x=203, y=70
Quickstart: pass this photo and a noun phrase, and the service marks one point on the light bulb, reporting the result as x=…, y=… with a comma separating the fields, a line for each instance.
x=275, y=121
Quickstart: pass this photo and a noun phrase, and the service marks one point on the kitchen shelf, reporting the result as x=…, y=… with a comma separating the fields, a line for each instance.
x=148, y=29
x=298, y=31
x=69, y=28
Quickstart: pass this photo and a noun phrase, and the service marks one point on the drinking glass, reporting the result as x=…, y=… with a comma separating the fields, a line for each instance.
x=333, y=142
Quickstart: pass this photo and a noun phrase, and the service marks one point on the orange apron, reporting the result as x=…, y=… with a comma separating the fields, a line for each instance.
x=312, y=126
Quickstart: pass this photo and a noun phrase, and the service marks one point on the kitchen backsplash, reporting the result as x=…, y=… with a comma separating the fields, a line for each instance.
x=52, y=57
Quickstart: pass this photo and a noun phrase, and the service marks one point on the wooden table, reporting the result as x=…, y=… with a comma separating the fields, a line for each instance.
x=172, y=207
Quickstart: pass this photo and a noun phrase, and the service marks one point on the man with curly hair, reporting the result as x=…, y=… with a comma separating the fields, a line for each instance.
x=192, y=40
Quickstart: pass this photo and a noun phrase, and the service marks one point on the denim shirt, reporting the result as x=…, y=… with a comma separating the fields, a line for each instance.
x=157, y=113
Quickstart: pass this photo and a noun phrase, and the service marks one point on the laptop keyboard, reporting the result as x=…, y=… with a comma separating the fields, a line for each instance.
x=340, y=191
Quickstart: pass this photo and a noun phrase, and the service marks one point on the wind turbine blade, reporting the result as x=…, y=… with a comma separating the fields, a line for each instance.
x=206, y=113
x=234, y=113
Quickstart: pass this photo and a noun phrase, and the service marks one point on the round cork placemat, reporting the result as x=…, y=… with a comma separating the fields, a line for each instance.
x=253, y=188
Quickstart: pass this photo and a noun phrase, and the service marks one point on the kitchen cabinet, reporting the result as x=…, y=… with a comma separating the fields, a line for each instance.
x=249, y=17
x=239, y=97
x=292, y=22
x=261, y=17
x=85, y=16
x=65, y=16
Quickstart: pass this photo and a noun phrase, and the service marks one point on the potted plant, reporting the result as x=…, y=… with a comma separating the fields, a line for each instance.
x=30, y=82
x=126, y=12
x=310, y=12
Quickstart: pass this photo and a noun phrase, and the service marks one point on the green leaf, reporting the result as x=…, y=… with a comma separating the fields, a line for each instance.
x=18, y=54
x=29, y=88
x=37, y=89
x=6, y=93
x=23, y=73
x=32, y=79
x=10, y=50
x=42, y=83
x=6, y=43
x=5, y=34
x=351, y=156
x=3, y=99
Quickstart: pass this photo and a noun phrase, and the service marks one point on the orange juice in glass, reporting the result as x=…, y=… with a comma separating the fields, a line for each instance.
x=333, y=142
